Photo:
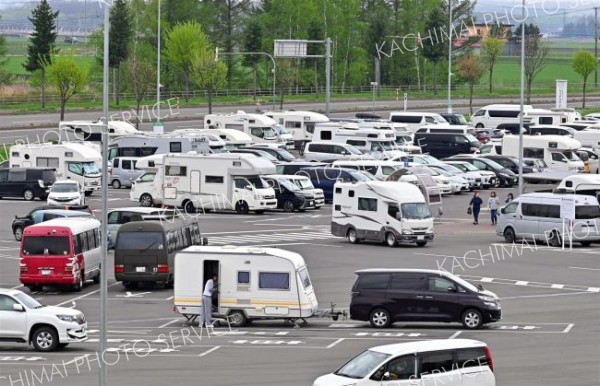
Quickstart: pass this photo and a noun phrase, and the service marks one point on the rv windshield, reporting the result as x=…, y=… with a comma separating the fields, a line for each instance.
x=571, y=155
x=403, y=140
x=382, y=146
x=418, y=210
x=90, y=168
x=257, y=182
x=268, y=132
x=303, y=184
x=281, y=130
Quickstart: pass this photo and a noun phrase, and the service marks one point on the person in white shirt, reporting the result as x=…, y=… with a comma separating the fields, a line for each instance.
x=209, y=289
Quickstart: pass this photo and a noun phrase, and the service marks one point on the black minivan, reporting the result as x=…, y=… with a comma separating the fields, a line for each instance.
x=29, y=183
x=441, y=145
x=385, y=296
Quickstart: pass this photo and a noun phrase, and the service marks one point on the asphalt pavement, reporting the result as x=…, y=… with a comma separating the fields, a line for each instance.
x=548, y=334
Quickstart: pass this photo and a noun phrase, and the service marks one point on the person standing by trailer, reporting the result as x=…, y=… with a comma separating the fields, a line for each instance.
x=207, y=295
x=493, y=204
x=475, y=206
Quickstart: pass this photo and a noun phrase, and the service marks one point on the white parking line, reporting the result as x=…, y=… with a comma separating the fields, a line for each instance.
x=587, y=269
x=83, y=296
x=168, y=323
x=569, y=327
x=457, y=333
x=336, y=342
x=495, y=280
x=205, y=353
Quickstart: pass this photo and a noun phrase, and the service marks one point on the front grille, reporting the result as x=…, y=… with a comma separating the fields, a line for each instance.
x=269, y=197
x=63, y=199
x=477, y=179
x=420, y=228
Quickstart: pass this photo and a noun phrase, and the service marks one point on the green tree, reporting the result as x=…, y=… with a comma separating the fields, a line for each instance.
x=469, y=68
x=286, y=78
x=41, y=42
x=207, y=73
x=492, y=48
x=584, y=63
x=182, y=43
x=141, y=71
x=68, y=76
x=3, y=59
x=498, y=31
x=120, y=37
x=253, y=43
x=432, y=49
x=536, y=58
x=229, y=14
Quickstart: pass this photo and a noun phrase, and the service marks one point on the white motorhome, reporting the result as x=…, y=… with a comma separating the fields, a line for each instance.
x=549, y=117
x=142, y=145
x=216, y=143
x=300, y=123
x=388, y=211
x=147, y=188
x=70, y=160
x=233, y=138
x=559, y=152
x=92, y=130
x=222, y=181
x=588, y=137
x=259, y=127
x=254, y=283
x=493, y=115
x=416, y=119
x=580, y=184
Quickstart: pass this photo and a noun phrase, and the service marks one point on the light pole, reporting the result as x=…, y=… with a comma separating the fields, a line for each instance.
x=449, y=56
x=374, y=86
x=521, y=117
x=158, y=122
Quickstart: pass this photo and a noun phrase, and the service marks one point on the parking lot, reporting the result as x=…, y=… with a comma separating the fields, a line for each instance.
x=548, y=334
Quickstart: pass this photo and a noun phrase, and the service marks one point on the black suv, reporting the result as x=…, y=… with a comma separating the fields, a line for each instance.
x=385, y=296
x=29, y=183
x=289, y=196
x=42, y=214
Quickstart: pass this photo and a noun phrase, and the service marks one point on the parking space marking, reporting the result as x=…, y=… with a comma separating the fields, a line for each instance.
x=496, y=280
x=169, y=323
x=82, y=296
x=205, y=353
x=568, y=328
x=457, y=333
x=20, y=358
x=390, y=334
x=336, y=342
x=587, y=269
x=271, y=238
x=267, y=342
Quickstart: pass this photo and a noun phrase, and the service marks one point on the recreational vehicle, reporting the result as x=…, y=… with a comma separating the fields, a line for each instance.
x=92, y=130
x=142, y=145
x=216, y=143
x=253, y=283
x=214, y=182
x=70, y=160
x=300, y=123
x=494, y=115
x=416, y=119
x=259, y=127
x=426, y=184
x=580, y=184
x=392, y=212
x=233, y=138
x=559, y=152
x=548, y=117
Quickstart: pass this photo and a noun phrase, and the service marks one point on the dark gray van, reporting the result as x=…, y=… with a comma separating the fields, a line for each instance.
x=385, y=296
x=29, y=183
x=441, y=145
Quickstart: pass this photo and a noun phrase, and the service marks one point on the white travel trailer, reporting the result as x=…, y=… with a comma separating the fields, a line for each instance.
x=416, y=119
x=222, y=181
x=580, y=184
x=74, y=161
x=254, y=283
x=493, y=115
x=388, y=211
x=300, y=123
x=559, y=152
x=259, y=127
x=142, y=145
x=216, y=143
x=92, y=130
x=550, y=117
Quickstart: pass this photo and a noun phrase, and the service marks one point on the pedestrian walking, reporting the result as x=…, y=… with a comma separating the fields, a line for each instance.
x=493, y=205
x=475, y=207
x=509, y=198
x=207, y=295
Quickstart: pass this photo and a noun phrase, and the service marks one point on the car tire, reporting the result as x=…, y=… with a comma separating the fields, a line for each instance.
x=554, y=240
x=18, y=233
x=509, y=235
x=116, y=184
x=380, y=318
x=77, y=287
x=45, y=339
x=421, y=243
x=97, y=277
x=352, y=236
x=288, y=206
x=146, y=200
x=88, y=193
x=472, y=319
x=391, y=240
x=585, y=243
x=241, y=207
x=237, y=318
x=188, y=207
x=28, y=195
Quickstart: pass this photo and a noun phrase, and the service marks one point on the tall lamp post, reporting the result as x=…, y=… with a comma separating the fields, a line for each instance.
x=449, y=56
x=158, y=123
x=521, y=117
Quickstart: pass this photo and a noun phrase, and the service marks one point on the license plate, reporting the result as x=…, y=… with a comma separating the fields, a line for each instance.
x=420, y=237
x=46, y=272
x=140, y=269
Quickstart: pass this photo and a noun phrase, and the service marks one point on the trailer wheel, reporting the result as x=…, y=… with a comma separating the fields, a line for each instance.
x=241, y=207
x=189, y=207
x=146, y=200
x=237, y=318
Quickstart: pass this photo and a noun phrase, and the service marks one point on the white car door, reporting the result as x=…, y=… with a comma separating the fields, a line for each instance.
x=436, y=368
x=13, y=324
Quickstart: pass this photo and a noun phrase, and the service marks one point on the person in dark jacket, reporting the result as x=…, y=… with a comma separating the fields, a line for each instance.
x=475, y=206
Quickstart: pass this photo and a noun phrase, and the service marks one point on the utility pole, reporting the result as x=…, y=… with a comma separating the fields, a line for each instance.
x=449, y=56
x=596, y=45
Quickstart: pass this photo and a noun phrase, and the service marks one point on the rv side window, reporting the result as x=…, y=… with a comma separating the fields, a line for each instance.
x=338, y=190
x=243, y=277
x=326, y=135
x=368, y=204
x=304, y=278
x=351, y=193
x=337, y=208
x=274, y=280
x=42, y=162
x=354, y=142
x=175, y=147
x=173, y=170
x=148, y=177
x=533, y=153
x=545, y=120
x=213, y=179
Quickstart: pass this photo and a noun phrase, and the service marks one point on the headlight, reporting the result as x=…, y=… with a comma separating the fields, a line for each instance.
x=260, y=197
x=67, y=318
x=407, y=231
x=487, y=298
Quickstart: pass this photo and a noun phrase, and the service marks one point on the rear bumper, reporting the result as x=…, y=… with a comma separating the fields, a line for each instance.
x=39, y=279
x=143, y=276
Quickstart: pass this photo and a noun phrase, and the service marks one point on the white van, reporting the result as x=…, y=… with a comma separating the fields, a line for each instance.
x=416, y=119
x=258, y=126
x=538, y=216
x=300, y=123
x=559, y=152
x=328, y=151
x=380, y=169
x=448, y=362
x=389, y=211
x=447, y=128
x=253, y=283
x=493, y=115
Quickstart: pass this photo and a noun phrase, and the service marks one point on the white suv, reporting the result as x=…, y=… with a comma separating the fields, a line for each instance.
x=66, y=192
x=24, y=320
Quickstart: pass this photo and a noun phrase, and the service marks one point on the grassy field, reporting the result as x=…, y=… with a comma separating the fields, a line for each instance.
x=507, y=72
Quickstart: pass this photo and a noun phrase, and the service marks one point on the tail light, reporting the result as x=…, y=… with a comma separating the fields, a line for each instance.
x=23, y=267
x=163, y=268
x=72, y=265
x=119, y=268
x=488, y=355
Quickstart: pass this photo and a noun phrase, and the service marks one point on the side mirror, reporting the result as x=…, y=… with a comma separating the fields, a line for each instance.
x=502, y=211
x=18, y=307
x=451, y=289
x=386, y=376
x=249, y=187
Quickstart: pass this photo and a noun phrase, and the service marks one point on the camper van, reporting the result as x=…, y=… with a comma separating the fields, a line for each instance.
x=233, y=138
x=259, y=127
x=369, y=140
x=70, y=160
x=300, y=123
x=580, y=184
x=414, y=120
x=426, y=184
x=392, y=212
x=215, y=143
x=254, y=283
x=142, y=145
x=559, y=152
x=92, y=130
x=214, y=182
x=380, y=169
x=494, y=115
